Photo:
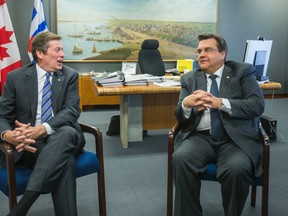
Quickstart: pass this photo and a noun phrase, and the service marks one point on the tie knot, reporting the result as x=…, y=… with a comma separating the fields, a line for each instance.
x=48, y=75
x=213, y=77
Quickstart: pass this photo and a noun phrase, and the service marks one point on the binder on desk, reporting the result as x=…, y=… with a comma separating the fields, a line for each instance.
x=109, y=79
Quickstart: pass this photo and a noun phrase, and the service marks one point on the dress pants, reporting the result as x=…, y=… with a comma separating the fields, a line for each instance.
x=54, y=170
x=234, y=171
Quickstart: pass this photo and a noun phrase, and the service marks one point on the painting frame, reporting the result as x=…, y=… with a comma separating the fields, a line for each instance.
x=112, y=36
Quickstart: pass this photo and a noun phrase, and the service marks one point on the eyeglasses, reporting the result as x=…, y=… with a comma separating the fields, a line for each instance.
x=206, y=51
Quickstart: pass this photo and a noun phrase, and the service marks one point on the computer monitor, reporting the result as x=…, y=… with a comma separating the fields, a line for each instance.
x=257, y=53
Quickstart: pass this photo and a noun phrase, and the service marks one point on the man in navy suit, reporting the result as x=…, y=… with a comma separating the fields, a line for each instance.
x=233, y=144
x=48, y=147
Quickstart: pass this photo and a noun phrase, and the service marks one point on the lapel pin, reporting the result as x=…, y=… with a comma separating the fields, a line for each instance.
x=58, y=79
x=227, y=77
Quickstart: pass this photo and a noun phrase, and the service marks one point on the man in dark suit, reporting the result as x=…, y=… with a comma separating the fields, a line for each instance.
x=48, y=147
x=222, y=129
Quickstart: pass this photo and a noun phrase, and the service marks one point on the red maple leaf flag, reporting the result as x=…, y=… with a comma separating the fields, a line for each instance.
x=9, y=53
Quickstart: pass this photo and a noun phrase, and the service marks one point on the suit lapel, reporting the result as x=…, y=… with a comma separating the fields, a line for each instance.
x=201, y=80
x=31, y=85
x=226, y=76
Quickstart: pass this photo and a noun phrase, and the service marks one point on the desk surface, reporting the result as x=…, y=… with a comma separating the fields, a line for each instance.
x=154, y=89
x=130, y=90
x=270, y=86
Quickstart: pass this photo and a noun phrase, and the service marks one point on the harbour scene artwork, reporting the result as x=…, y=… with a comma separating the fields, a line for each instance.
x=114, y=30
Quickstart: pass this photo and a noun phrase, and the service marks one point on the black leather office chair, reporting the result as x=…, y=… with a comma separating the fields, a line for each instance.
x=150, y=59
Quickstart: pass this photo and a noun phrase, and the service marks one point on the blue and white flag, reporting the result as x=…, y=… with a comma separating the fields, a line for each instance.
x=38, y=23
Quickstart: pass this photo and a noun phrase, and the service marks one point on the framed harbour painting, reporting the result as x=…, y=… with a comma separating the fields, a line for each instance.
x=97, y=30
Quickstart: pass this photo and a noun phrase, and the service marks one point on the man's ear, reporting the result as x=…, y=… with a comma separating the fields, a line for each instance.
x=224, y=53
x=39, y=54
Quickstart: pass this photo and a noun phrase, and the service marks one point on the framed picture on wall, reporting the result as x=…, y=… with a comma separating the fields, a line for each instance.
x=97, y=30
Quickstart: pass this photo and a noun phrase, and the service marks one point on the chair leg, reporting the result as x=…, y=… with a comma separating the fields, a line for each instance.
x=253, y=195
x=101, y=194
x=170, y=176
x=170, y=193
x=265, y=197
x=11, y=185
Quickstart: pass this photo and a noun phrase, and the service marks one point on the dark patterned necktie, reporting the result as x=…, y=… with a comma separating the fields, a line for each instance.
x=46, y=106
x=217, y=130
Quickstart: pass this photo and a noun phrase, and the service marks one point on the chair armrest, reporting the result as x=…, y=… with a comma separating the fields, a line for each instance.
x=96, y=133
x=263, y=136
x=98, y=141
x=172, y=133
x=175, y=129
x=7, y=149
x=266, y=154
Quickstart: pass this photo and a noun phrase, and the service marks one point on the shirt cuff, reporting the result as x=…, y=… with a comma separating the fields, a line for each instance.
x=226, y=106
x=48, y=128
x=1, y=138
x=186, y=111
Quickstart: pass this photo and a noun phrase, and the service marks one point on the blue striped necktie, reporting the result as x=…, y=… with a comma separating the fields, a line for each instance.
x=46, y=106
x=217, y=130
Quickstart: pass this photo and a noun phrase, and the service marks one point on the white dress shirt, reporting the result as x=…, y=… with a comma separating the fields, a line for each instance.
x=41, y=74
x=205, y=122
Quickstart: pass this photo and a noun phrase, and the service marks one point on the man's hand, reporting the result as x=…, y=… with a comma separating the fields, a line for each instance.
x=202, y=100
x=18, y=138
x=31, y=132
x=195, y=99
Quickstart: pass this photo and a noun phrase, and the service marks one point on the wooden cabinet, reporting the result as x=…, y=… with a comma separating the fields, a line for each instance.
x=87, y=95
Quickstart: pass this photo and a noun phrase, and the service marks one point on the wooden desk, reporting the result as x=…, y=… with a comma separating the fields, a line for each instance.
x=143, y=108
x=88, y=96
x=148, y=108
x=270, y=86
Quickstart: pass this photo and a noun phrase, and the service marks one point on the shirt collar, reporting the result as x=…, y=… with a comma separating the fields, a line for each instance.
x=219, y=72
x=41, y=72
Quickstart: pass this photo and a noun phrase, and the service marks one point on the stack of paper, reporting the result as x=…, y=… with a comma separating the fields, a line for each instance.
x=109, y=79
x=137, y=79
x=168, y=83
x=155, y=79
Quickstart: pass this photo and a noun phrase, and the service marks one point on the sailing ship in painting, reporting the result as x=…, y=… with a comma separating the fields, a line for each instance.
x=93, y=32
x=76, y=34
x=77, y=49
x=94, y=50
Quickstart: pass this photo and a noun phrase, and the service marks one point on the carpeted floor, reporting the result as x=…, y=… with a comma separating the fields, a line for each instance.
x=136, y=177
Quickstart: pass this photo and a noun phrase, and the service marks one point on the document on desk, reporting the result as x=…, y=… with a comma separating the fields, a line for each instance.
x=109, y=79
x=168, y=83
x=262, y=82
x=138, y=79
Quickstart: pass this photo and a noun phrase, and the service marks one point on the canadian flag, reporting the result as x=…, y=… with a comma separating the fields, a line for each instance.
x=9, y=52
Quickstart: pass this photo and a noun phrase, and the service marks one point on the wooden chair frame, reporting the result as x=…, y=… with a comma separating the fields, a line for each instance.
x=260, y=181
x=7, y=149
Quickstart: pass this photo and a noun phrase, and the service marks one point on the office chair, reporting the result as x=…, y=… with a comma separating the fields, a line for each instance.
x=14, y=179
x=210, y=173
x=150, y=59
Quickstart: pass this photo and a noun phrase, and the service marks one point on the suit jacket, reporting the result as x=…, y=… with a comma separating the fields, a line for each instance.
x=239, y=86
x=20, y=98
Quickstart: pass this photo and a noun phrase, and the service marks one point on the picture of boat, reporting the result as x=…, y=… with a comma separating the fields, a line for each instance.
x=76, y=34
x=77, y=49
x=94, y=50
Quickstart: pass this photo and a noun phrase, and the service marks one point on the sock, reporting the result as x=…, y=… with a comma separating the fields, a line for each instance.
x=25, y=203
